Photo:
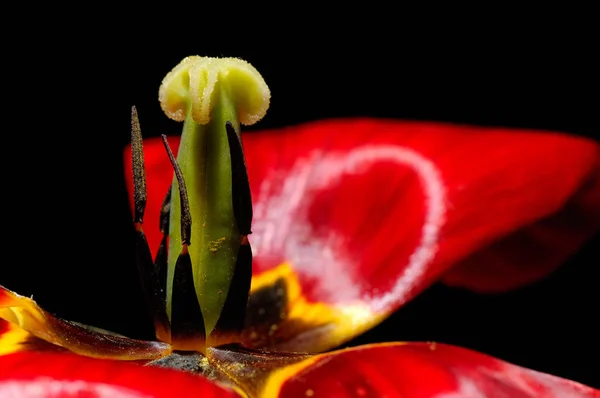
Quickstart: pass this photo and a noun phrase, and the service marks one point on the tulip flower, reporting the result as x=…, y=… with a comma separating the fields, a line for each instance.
x=261, y=254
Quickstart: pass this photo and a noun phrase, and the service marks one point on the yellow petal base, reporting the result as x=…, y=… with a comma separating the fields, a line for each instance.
x=302, y=325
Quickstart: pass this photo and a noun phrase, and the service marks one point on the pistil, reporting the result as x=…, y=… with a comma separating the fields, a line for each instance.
x=213, y=97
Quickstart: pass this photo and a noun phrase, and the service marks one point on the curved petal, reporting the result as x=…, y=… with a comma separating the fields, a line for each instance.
x=30, y=320
x=28, y=375
x=352, y=218
x=415, y=370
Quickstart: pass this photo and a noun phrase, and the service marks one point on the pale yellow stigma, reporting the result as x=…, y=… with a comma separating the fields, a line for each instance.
x=198, y=80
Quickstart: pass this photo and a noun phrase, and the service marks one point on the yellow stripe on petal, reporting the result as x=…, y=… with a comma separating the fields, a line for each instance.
x=25, y=314
x=251, y=369
x=14, y=339
x=280, y=317
x=272, y=386
x=11, y=337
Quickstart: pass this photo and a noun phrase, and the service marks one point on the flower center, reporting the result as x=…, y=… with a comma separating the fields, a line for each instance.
x=198, y=283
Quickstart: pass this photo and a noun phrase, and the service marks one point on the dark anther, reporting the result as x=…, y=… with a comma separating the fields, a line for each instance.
x=139, y=172
x=240, y=186
x=186, y=216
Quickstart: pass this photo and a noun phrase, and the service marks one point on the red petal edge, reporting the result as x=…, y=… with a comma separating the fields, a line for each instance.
x=39, y=375
x=417, y=370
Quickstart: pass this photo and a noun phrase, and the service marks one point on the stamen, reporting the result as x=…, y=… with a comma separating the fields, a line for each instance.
x=187, y=322
x=153, y=289
x=139, y=171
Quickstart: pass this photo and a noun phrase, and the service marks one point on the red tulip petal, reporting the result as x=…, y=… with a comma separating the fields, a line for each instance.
x=39, y=375
x=533, y=251
x=352, y=218
x=28, y=316
x=416, y=370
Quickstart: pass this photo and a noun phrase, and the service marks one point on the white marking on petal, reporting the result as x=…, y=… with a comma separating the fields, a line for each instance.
x=467, y=388
x=294, y=238
x=49, y=388
x=476, y=384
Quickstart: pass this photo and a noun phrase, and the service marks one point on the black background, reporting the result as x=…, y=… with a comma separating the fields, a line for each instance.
x=66, y=111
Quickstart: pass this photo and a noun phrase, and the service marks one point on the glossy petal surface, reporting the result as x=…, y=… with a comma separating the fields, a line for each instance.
x=29, y=375
x=352, y=218
x=28, y=320
x=416, y=370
